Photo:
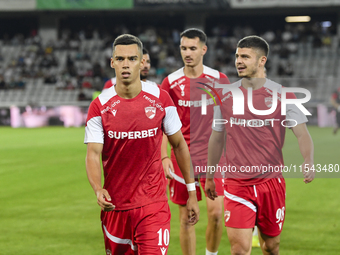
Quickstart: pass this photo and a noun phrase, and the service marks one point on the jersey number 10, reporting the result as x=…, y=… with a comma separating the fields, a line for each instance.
x=163, y=236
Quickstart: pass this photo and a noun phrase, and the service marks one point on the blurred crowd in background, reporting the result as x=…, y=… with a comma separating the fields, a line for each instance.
x=81, y=59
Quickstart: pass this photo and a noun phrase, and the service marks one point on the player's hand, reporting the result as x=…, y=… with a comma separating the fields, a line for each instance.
x=210, y=188
x=308, y=171
x=103, y=200
x=168, y=168
x=192, y=208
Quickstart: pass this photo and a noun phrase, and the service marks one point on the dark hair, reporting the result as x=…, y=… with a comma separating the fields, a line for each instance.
x=193, y=33
x=145, y=51
x=127, y=39
x=255, y=42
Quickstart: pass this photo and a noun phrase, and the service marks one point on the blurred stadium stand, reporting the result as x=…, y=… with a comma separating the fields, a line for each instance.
x=52, y=57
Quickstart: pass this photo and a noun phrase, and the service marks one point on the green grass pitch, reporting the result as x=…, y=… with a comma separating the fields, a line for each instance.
x=48, y=207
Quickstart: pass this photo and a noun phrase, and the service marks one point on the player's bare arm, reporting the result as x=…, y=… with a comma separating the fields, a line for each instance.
x=215, y=148
x=93, y=170
x=307, y=150
x=182, y=154
x=166, y=161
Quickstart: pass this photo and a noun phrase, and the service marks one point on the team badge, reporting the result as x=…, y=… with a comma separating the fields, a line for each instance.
x=108, y=252
x=150, y=112
x=268, y=101
x=226, y=215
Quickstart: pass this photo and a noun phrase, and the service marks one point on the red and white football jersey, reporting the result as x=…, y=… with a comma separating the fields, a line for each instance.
x=254, y=142
x=109, y=83
x=152, y=83
x=131, y=132
x=196, y=127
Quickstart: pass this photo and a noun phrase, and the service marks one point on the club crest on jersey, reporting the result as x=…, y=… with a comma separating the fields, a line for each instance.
x=268, y=101
x=114, y=112
x=150, y=112
x=182, y=87
x=108, y=252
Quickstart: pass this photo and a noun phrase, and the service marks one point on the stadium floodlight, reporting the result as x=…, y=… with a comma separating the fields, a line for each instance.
x=297, y=19
x=326, y=24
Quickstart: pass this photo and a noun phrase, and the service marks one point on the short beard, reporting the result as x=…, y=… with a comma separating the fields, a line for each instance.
x=248, y=76
x=143, y=77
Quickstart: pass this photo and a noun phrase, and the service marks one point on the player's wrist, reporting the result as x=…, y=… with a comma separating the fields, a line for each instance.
x=209, y=175
x=165, y=157
x=96, y=187
x=191, y=186
x=97, y=192
x=192, y=195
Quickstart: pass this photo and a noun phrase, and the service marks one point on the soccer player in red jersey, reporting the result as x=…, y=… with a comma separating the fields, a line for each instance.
x=193, y=48
x=144, y=73
x=124, y=130
x=254, y=187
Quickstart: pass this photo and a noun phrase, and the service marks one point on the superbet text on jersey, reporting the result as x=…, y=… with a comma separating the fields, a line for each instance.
x=131, y=131
x=196, y=128
x=254, y=142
